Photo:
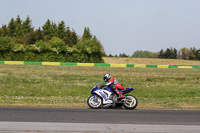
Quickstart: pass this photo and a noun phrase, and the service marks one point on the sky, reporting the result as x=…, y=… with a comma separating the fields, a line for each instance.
x=122, y=26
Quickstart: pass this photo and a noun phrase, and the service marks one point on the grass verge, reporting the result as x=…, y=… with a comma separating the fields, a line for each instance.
x=150, y=61
x=69, y=86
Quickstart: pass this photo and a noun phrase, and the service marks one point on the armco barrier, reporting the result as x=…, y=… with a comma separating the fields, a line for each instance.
x=93, y=64
x=1, y=62
x=68, y=64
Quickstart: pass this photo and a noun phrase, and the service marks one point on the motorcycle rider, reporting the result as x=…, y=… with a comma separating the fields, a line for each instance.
x=114, y=84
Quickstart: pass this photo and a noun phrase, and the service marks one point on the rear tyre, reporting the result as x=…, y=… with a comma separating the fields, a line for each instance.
x=94, y=104
x=131, y=102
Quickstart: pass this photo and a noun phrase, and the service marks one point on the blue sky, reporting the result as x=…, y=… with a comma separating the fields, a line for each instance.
x=122, y=26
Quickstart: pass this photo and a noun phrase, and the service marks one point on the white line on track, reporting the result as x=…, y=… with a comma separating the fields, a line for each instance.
x=47, y=127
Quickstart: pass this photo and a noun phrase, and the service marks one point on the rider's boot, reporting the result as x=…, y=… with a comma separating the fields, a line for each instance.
x=120, y=95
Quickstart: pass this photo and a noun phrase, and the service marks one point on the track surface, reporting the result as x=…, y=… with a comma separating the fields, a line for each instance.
x=114, y=116
x=20, y=119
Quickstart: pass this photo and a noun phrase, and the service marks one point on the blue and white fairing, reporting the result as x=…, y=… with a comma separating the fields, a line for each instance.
x=106, y=93
x=127, y=90
x=103, y=93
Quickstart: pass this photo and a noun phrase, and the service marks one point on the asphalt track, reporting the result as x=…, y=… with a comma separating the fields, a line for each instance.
x=21, y=119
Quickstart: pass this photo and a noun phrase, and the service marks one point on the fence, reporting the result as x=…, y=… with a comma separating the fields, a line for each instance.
x=93, y=64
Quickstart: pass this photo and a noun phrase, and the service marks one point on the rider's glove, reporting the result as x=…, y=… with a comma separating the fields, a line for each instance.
x=102, y=86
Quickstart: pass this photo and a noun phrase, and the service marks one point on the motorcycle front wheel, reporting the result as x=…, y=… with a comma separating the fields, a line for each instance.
x=131, y=102
x=94, y=104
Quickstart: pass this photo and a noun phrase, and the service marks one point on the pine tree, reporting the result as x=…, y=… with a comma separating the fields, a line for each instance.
x=49, y=29
x=18, y=20
x=61, y=30
x=18, y=30
x=1, y=31
x=87, y=34
x=95, y=45
x=34, y=36
x=197, y=54
x=46, y=29
x=168, y=53
x=39, y=35
x=161, y=54
x=53, y=29
x=68, y=41
x=27, y=26
x=4, y=31
x=175, y=53
x=74, y=37
x=11, y=28
x=99, y=46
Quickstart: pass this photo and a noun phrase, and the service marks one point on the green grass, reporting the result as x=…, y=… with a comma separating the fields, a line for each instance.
x=65, y=86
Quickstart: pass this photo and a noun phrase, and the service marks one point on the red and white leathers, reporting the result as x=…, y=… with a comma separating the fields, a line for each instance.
x=115, y=85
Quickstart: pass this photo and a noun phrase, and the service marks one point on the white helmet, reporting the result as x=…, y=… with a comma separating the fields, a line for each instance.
x=106, y=77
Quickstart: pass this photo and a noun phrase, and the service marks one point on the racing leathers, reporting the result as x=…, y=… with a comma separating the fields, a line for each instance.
x=116, y=86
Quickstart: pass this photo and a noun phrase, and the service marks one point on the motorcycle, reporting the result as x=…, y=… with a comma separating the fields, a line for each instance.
x=106, y=97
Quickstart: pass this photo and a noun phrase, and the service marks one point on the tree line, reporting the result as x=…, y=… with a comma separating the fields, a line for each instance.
x=53, y=42
x=170, y=53
x=184, y=53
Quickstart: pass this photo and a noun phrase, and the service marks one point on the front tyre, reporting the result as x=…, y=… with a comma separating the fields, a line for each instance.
x=130, y=102
x=94, y=103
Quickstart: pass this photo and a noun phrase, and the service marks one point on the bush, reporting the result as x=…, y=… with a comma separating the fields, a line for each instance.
x=43, y=46
x=5, y=44
x=55, y=51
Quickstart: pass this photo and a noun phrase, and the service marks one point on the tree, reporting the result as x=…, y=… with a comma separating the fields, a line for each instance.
x=53, y=29
x=44, y=46
x=49, y=29
x=96, y=46
x=153, y=55
x=193, y=53
x=61, y=30
x=170, y=53
x=46, y=28
x=141, y=54
x=56, y=42
x=68, y=39
x=39, y=35
x=1, y=31
x=19, y=41
x=27, y=26
x=4, y=31
x=34, y=36
x=197, y=53
x=161, y=54
x=18, y=20
x=5, y=44
x=110, y=55
x=185, y=53
x=74, y=37
x=11, y=28
x=174, y=53
x=18, y=30
x=87, y=34
x=122, y=55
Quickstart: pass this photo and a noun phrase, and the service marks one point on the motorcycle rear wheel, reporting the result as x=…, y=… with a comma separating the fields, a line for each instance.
x=132, y=104
x=94, y=104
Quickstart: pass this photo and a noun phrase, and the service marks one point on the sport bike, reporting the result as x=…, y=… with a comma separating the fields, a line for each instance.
x=106, y=97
